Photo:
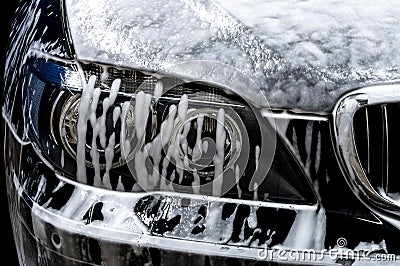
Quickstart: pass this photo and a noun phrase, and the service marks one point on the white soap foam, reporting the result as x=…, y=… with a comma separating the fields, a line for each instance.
x=158, y=90
x=237, y=178
x=84, y=112
x=183, y=107
x=142, y=108
x=197, y=150
x=220, y=154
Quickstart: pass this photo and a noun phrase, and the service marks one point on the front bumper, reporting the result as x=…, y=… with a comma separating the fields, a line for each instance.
x=57, y=221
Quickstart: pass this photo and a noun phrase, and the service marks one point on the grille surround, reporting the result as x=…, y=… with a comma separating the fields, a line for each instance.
x=346, y=146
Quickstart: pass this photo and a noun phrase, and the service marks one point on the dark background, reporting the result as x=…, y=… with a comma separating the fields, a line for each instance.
x=9, y=253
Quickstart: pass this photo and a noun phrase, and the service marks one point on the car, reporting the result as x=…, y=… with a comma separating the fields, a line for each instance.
x=203, y=132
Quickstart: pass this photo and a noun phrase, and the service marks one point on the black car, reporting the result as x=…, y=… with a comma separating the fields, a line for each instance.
x=203, y=132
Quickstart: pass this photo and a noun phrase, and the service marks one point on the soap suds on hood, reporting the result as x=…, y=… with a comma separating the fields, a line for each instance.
x=304, y=54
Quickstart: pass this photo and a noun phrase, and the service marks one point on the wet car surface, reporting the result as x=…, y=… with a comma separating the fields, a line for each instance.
x=202, y=132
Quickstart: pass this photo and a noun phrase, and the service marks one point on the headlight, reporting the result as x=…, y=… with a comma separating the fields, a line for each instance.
x=130, y=130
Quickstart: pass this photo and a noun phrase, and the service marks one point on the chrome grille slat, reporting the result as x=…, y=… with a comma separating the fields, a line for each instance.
x=369, y=140
x=385, y=150
x=368, y=143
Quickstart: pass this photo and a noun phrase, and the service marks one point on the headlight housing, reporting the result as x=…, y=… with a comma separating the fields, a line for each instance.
x=132, y=130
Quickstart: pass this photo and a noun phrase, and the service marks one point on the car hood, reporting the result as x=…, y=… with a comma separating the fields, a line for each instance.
x=303, y=54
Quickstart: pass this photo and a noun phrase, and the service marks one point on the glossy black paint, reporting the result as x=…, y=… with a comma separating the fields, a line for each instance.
x=47, y=24
x=7, y=15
